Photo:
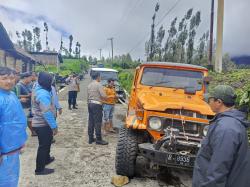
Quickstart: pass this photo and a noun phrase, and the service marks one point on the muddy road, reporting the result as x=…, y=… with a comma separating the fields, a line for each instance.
x=79, y=164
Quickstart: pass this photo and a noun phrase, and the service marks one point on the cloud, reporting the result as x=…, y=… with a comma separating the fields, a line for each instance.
x=92, y=22
x=27, y=18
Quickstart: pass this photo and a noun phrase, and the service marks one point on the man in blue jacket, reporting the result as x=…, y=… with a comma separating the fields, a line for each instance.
x=223, y=159
x=12, y=130
x=43, y=121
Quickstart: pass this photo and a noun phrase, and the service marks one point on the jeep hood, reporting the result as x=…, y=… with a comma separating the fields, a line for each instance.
x=157, y=102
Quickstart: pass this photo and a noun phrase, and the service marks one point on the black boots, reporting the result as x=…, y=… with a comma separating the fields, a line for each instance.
x=101, y=142
x=46, y=171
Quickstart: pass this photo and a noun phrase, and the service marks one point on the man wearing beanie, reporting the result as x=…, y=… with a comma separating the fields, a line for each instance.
x=223, y=159
x=43, y=121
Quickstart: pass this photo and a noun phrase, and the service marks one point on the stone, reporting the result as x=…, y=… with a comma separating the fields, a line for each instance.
x=119, y=180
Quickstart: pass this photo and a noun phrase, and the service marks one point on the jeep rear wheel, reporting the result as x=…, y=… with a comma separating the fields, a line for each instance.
x=126, y=152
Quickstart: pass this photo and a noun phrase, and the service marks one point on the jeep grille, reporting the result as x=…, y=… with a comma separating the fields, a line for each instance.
x=188, y=113
x=187, y=126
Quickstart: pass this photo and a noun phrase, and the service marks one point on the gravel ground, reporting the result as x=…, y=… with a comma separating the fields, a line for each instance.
x=79, y=164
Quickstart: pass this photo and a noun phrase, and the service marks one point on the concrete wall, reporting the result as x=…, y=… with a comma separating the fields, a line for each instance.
x=2, y=58
x=10, y=62
x=19, y=64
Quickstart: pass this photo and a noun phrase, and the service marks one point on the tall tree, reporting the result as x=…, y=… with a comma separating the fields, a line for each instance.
x=158, y=46
x=27, y=40
x=152, y=36
x=37, y=41
x=19, y=41
x=46, y=30
x=183, y=34
x=77, y=50
x=169, y=43
x=194, y=23
x=70, y=44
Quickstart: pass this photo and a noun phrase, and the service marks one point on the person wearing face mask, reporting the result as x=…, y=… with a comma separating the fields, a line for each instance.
x=13, y=125
x=43, y=121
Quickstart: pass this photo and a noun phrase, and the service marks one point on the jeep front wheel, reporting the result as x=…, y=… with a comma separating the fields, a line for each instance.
x=126, y=152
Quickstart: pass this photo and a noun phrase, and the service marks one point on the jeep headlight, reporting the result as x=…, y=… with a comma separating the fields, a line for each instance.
x=205, y=130
x=155, y=123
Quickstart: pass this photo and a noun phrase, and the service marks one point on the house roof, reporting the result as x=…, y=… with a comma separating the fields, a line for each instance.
x=7, y=45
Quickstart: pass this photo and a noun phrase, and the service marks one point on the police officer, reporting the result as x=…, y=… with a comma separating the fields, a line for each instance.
x=96, y=94
x=223, y=159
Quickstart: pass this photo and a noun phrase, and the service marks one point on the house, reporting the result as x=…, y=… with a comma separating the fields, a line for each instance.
x=13, y=57
x=48, y=58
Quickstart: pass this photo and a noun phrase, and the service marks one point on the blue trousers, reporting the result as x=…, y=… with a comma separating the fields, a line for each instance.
x=9, y=170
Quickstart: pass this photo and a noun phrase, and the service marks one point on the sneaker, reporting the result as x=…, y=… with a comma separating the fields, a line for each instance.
x=46, y=171
x=101, y=142
x=70, y=108
x=75, y=107
x=51, y=159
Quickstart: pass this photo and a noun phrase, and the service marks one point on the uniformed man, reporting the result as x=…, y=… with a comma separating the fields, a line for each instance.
x=95, y=96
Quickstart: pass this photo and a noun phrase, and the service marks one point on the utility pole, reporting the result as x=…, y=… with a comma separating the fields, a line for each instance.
x=210, y=56
x=219, y=39
x=100, y=54
x=112, y=47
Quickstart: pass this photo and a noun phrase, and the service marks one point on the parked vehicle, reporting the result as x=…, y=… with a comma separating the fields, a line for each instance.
x=107, y=74
x=167, y=117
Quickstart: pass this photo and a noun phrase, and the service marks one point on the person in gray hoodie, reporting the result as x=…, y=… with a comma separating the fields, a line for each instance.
x=223, y=159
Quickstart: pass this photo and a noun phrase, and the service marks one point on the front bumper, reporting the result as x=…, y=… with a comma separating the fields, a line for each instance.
x=165, y=158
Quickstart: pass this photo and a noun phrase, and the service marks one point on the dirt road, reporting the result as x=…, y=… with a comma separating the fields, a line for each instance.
x=78, y=164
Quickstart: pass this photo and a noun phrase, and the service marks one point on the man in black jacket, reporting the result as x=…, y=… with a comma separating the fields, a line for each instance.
x=223, y=159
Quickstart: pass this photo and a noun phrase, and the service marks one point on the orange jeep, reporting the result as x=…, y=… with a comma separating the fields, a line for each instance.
x=167, y=116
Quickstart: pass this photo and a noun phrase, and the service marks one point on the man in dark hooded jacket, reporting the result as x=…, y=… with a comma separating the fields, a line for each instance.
x=223, y=159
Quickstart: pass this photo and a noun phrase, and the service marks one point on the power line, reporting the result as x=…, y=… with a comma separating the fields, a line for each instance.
x=162, y=19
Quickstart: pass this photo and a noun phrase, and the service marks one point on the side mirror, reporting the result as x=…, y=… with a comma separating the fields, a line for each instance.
x=207, y=79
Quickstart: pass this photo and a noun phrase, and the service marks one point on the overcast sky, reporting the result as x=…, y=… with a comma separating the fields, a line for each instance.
x=92, y=22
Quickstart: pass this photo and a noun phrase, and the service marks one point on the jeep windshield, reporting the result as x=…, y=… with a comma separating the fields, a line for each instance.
x=106, y=75
x=172, y=78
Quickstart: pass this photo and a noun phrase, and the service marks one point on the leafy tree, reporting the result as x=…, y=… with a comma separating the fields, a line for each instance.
x=158, y=47
x=70, y=44
x=168, y=45
x=194, y=23
x=37, y=42
x=227, y=64
x=27, y=40
x=46, y=30
x=19, y=41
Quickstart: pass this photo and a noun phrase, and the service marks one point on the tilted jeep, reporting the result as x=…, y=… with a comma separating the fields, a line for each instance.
x=167, y=116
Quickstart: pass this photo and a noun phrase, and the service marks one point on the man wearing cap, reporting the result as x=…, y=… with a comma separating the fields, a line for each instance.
x=223, y=159
x=95, y=96
x=13, y=125
x=109, y=105
x=25, y=97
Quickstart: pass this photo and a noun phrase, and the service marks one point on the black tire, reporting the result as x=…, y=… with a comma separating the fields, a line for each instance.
x=126, y=152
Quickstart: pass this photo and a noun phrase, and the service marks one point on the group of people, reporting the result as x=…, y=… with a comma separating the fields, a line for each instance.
x=223, y=159
x=101, y=102
x=26, y=99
